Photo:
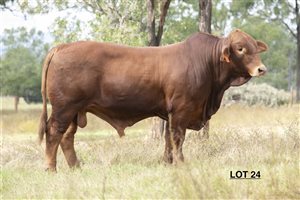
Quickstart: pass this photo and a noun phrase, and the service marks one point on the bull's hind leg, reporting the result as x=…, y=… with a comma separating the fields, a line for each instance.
x=53, y=138
x=67, y=145
x=56, y=127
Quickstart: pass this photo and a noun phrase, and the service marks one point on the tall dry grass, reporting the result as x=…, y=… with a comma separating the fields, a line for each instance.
x=241, y=138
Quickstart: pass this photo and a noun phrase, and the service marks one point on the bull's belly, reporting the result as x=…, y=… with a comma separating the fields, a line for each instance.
x=120, y=115
x=196, y=126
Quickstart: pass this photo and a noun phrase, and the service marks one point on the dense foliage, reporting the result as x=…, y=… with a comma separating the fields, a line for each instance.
x=21, y=62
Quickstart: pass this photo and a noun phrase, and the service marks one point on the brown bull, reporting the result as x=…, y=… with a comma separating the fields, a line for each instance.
x=182, y=83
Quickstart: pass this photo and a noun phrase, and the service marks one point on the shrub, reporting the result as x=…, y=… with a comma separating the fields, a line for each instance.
x=256, y=94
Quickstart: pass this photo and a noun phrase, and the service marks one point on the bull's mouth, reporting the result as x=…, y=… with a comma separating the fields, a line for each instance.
x=258, y=74
x=241, y=80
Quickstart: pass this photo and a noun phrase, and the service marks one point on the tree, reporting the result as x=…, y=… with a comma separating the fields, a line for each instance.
x=109, y=20
x=182, y=18
x=296, y=11
x=3, y=4
x=221, y=17
x=118, y=21
x=153, y=37
x=21, y=64
x=205, y=10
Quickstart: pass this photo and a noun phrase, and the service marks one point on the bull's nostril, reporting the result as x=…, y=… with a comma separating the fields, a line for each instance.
x=262, y=70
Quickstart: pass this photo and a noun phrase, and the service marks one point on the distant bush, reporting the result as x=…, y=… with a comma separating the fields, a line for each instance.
x=256, y=94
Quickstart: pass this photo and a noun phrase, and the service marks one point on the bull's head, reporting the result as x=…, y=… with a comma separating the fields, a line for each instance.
x=241, y=52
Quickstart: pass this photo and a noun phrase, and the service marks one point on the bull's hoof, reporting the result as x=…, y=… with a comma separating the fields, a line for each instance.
x=76, y=165
x=50, y=169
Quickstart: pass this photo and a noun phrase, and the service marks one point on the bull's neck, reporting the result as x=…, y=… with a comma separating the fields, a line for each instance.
x=208, y=71
x=204, y=52
x=221, y=70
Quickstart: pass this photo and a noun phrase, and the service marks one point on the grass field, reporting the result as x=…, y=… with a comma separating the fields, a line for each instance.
x=241, y=138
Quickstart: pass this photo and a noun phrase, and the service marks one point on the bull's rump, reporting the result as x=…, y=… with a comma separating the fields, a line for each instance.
x=117, y=79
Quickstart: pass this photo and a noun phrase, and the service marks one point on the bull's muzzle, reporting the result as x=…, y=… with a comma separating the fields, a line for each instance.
x=258, y=71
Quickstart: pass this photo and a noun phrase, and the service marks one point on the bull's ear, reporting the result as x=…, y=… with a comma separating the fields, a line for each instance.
x=261, y=46
x=225, y=54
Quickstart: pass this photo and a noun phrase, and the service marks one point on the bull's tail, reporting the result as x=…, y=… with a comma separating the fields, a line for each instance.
x=44, y=116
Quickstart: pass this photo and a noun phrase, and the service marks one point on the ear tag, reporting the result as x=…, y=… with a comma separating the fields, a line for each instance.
x=226, y=59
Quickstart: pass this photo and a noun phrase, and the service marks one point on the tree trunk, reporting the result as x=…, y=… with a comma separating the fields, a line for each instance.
x=151, y=24
x=298, y=69
x=17, y=98
x=154, y=39
x=163, y=13
x=205, y=8
x=298, y=53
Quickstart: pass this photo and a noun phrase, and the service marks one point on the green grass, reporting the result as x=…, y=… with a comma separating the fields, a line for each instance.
x=241, y=138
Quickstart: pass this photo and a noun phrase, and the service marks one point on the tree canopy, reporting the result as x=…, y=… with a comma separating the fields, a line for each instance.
x=21, y=61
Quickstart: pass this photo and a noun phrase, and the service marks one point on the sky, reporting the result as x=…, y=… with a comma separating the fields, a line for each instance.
x=41, y=22
x=16, y=19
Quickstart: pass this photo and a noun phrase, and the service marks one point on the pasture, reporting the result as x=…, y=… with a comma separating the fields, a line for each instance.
x=241, y=138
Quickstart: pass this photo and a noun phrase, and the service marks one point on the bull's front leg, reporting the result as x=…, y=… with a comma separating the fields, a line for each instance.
x=168, y=156
x=177, y=139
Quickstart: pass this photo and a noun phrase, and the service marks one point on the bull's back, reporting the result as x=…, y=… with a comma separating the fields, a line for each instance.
x=109, y=75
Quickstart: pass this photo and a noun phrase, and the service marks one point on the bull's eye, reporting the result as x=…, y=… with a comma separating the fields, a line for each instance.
x=241, y=50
